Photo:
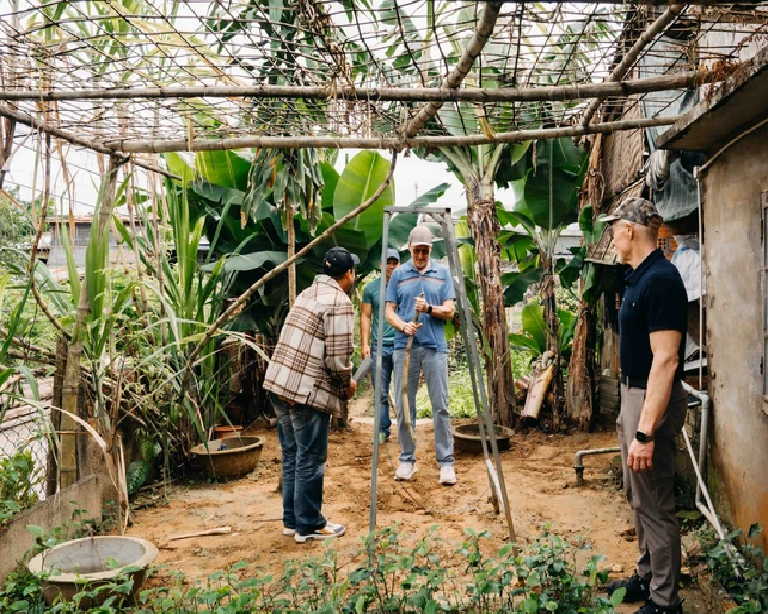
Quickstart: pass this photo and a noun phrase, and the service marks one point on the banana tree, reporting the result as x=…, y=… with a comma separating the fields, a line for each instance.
x=238, y=222
x=550, y=176
x=594, y=281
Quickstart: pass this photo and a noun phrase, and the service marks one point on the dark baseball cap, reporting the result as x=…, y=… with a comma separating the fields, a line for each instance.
x=338, y=261
x=636, y=210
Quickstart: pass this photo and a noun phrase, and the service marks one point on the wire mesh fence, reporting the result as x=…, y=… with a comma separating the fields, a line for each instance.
x=25, y=430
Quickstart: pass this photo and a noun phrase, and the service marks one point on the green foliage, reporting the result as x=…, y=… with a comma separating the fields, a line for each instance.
x=542, y=576
x=18, y=478
x=534, y=336
x=462, y=400
x=598, y=279
x=136, y=475
x=16, y=232
x=749, y=589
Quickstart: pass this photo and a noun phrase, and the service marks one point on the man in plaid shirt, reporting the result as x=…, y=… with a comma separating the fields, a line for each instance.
x=310, y=379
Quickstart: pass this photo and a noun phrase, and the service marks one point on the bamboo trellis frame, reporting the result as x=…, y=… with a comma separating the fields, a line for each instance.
x=212, y=96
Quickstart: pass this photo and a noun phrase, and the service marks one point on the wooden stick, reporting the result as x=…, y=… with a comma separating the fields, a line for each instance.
x=406, y=367
x=683, y=80
x=389, y=143
x=203, y=533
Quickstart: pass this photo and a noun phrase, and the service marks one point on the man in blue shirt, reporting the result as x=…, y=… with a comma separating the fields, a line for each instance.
x=430, y=351
x=369, y=329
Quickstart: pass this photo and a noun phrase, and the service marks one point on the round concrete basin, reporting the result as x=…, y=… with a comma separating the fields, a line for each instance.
x=467, y=438
x=231, y=456
x=84, y=564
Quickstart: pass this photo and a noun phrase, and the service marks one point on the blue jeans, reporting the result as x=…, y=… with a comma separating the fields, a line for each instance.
x=303, y=433
x=386, y=376
x=435, y=366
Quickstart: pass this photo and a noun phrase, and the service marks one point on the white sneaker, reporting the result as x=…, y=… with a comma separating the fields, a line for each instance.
x=287, y=531
x=328, y=531
x=447, y=475
x=405, y=471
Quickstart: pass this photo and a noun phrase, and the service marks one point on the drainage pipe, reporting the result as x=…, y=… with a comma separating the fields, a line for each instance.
x=578, y=464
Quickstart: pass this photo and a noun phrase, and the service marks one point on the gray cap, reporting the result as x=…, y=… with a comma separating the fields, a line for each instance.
x=420, y=235
x=393, y=253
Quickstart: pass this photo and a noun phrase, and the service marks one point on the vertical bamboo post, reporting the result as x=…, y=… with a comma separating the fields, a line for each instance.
x=291, y=253
x=71, y=384
x=52, y=478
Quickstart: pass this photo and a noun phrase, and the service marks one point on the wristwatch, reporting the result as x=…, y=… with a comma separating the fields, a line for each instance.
x=429, y=309
x=642, y=437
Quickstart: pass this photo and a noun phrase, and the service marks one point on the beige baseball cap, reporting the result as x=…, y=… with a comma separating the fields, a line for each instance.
x=420, y=235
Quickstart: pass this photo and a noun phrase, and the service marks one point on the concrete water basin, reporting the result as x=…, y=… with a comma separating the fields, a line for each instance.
x=85, y=564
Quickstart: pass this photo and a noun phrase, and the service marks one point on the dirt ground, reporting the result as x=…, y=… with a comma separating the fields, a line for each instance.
x=540, y=483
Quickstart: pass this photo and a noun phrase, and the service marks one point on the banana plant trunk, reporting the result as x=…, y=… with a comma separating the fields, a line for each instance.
x=581, y=374
x=483, y=222
x=553, y=341
x=71, y=385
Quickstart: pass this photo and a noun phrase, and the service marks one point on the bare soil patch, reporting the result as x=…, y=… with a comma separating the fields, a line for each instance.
x=540, y=482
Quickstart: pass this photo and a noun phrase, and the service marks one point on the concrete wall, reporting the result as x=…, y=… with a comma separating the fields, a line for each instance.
x=731, y=192
x=88, y=495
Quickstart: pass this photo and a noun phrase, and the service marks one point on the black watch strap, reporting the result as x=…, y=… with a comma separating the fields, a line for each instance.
x=642, y=437
x=429, y=309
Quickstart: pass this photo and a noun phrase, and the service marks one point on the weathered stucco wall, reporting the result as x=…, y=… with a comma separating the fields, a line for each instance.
x=731, y=192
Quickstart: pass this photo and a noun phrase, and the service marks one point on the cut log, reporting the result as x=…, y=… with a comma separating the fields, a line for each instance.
x=541, y=379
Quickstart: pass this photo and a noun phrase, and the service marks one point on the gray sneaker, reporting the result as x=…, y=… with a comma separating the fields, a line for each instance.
x=405, y=471
x=447, y=475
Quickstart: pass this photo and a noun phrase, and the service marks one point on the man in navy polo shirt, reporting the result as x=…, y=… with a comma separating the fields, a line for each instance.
x=652, y=325
x=429, y=352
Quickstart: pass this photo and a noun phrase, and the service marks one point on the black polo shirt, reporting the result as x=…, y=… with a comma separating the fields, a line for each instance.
x=654, y=299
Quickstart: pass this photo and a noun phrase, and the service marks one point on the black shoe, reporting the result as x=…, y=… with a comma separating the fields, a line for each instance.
x=637, y=588
x=652, y=608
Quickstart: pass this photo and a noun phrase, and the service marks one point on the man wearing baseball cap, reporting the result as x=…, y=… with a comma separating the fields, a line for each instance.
x=309, y=380
x=422, y=276
x=369, y=329
x=652, y=325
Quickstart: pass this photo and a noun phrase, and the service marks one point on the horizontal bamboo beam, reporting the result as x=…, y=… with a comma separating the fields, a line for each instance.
x=279, y=142
x=45, y=128
x=576, y=91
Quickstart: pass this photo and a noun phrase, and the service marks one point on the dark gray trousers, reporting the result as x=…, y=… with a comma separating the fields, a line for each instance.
x=651, y=494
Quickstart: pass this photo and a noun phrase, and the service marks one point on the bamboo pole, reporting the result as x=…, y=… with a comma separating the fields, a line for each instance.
x=28, y=120
x=458, y=74
x=291, y=252
x=237, y=305
x=331, y=142
x=618, y=73
x=36, y=241
x=575, y=91
x=71, y=385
